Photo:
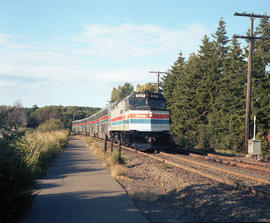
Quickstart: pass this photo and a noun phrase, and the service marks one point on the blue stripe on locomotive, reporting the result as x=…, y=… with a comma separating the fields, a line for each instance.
x=141, y=121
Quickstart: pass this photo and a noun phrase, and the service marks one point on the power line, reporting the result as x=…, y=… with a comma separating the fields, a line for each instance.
x=158, y=74
x=251, y=38
x=251, y=15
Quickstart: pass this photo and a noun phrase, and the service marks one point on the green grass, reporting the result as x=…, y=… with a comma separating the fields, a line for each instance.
x=165, y=166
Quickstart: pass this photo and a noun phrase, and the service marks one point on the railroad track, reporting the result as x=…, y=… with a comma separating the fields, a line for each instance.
x=245, y=176
x=232, y=161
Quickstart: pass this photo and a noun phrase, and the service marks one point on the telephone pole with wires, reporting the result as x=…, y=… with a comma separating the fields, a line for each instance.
x=158, y=74
x=251, y=39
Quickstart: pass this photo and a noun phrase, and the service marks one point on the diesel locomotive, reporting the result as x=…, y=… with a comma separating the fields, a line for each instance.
x=140, y=117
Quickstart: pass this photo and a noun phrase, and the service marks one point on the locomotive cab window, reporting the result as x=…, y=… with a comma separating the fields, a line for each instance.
x=153, y=102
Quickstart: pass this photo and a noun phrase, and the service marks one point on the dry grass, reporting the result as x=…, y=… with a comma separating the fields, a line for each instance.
x=117, y=167
x=118, y=171
x=225, y=152
x=40, y=147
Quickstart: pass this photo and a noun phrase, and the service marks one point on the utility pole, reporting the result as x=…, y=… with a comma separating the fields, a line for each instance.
x=251, y=39
x=158, y=74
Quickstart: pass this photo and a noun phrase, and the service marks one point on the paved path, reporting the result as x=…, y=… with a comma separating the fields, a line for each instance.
x=78, y=189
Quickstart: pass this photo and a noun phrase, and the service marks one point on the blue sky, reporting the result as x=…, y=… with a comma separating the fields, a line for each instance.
x=73, y=52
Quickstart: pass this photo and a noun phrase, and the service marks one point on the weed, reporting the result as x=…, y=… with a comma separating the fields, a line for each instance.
x=165, y=166
x=115, y=159
x=144, y=196
x=111, y=161
x=118, y=170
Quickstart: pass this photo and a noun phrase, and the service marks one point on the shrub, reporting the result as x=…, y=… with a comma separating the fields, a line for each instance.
x=22, y=159
x=40, y=147
x=184, y=142
x=50, y=125
x=16, y=181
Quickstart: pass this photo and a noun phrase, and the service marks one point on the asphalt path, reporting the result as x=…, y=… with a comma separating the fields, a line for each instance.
x=78, y=189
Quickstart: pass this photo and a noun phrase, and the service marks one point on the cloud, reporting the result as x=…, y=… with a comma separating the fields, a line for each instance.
x=138, y=40
x=75, y=58
x=7, y=84
x=97, y=59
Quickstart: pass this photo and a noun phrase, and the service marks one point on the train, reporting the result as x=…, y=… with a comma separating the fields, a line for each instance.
x=141, y=117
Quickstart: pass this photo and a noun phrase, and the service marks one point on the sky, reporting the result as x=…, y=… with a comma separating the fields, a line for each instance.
x=73, y=52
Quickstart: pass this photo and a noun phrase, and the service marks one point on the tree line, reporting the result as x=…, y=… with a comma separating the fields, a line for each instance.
x=15, y=116
x=206, y=92
x=126, y=89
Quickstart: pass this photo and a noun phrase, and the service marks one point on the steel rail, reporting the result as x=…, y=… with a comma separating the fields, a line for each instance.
x=202, y=173
x=217, y=168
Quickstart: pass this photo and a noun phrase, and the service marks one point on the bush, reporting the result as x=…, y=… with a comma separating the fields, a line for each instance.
x=16, y=183
x=50, y=125
x=21, y=161
x=40, y=147
x=265, y=148
x=184, y=142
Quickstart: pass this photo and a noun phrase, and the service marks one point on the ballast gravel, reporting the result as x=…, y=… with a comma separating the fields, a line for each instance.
x=169, y=194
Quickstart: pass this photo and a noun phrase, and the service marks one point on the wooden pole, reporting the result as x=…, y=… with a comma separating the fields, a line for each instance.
x=105, y=143
x=112, y=146
x=119, y=150
x=249, y=87
x=251, y=38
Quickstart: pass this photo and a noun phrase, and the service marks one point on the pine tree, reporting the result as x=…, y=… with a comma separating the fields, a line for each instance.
x=232, y=97
x=169, y=80
x=172, y=79
x=220, y=80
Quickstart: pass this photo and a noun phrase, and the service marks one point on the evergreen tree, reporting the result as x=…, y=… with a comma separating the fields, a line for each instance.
x=173, y=78
x=228, y=117
x=169, y=80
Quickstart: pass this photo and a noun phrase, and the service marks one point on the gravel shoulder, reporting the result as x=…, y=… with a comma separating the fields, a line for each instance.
x=170, y=194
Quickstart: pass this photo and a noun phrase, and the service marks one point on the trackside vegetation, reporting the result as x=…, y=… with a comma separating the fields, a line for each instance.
x=111, y=160
x=23, y=158
x=206, y=92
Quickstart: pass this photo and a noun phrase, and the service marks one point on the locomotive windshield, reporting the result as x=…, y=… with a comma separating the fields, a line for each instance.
x=144, y=101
